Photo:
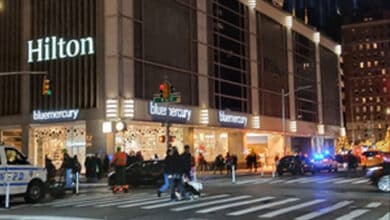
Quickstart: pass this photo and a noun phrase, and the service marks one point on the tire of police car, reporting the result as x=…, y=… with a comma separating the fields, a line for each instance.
x=35, y=192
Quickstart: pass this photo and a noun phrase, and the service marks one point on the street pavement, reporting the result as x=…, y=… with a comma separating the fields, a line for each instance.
x=340, y=196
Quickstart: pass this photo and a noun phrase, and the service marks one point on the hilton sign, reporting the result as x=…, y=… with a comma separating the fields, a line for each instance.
x=52, y=48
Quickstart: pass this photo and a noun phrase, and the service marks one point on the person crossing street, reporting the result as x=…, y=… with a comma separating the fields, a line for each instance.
x=119, y=162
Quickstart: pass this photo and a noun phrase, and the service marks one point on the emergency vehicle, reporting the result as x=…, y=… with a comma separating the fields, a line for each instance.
x=23, y=178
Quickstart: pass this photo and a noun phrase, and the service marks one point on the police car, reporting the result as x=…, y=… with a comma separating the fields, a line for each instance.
x=23, y=178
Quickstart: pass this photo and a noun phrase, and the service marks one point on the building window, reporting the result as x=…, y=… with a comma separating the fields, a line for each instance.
x=376, y=63
x=368, y=64
x=367, y=46
x=357, y=110
x=378, y=108
x=383, y=71
x=363, y=100
x=361, y=46
x=364, y=109
x=374, y=45
x=361, y=65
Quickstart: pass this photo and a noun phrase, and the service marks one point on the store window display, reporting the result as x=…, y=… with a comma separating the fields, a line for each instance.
x=210, y=143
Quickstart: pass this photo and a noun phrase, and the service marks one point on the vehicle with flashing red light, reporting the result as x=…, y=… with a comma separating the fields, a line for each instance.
x=325, y=162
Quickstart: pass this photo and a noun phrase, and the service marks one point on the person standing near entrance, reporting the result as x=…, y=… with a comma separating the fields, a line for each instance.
x=119, y=163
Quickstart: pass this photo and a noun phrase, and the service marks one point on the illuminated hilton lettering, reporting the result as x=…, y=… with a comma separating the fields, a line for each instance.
x=52, y=48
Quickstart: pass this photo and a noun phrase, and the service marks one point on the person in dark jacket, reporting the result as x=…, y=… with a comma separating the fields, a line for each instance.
x=176, y=183
x=106, y=164
x=51, y=170
x=168, y=171
x=186, y=161
x=219, y=164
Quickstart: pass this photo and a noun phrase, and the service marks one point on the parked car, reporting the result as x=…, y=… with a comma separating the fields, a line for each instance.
x=295, y=165
x=326, y=162
x=149, y=172
x=380, y=176
x=24, y=179
x=371, y=159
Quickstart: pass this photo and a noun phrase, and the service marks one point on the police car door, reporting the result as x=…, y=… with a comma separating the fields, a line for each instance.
x=2, y=173
x=18, y=170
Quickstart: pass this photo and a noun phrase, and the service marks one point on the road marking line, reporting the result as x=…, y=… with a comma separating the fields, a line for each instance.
x=385, y=217
x=361, y=181
x=257, y=208
x=245, y=182
x=353, y=214
x=324, y=211
x=331, y=180
x=296, y=180
x=74, y=198
x=373, y=205
x=132, y=204
x=261, y=181
x=347, y=180
x=183, y=202
x=291, y=208
x=210, y=203
x=127, y=202
x=107, y=199
x=217, y=208
x=276, y=181
x=41, y=217
x=113, y=200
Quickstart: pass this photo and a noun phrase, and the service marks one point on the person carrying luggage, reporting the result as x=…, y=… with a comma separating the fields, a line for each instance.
x=119, y=162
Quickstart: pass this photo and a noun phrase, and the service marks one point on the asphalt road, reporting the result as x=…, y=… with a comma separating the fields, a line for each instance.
x=323, y=196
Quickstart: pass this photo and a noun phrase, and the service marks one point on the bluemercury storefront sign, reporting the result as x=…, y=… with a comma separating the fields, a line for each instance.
x=52, y=48
x=232, y=120
x=169, y=113
x=63, y=115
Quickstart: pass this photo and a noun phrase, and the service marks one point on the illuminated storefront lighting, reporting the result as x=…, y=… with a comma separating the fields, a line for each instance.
x=254, y=135
x=289, y=21
x=111, y=108
x=128, y=108
x=293, y=126
x=343, y=132
x=252, y=3
x=338, y=50
x=256, y=121
x=204, y=116
x=316, y=37
x=107, y=127
x=321, y=129
x=120, y=126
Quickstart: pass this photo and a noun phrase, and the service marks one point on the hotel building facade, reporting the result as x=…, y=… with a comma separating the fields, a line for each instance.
x=230, y=60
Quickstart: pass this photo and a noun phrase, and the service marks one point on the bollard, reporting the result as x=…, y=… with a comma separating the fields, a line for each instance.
x=233, y=174
x=262, y=172
x=77, y=182
x=273, y=173
x=7, y=195
x=195, y=179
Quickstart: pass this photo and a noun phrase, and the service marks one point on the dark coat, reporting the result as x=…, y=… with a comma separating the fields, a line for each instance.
x=186, y=159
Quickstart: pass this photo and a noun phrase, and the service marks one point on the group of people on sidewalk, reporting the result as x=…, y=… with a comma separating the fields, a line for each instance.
x=178, y=171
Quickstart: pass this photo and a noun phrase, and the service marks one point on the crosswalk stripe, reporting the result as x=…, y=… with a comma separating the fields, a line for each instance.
x=347, y=180
x=260, y=181
x=77, y=202
x=323, y=211
x=373, y=205
x=291, y=208
x=110, y=201
x=331, y=180
x=296, y=180
x=131, y=204
x=217, y=208
x=385, y=217
x=276, y=181
x=210, y=203
x=126, y=202
x=257, y=208
x=73, y=198
x=353, y=214
x=245, y=182
x=183, y=202
x=314, y=179
x=361, y=181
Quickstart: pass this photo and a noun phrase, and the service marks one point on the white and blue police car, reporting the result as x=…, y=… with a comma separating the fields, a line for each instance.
x=23, y=178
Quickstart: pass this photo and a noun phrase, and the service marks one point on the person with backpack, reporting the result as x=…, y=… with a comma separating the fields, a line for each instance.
x=119, y=162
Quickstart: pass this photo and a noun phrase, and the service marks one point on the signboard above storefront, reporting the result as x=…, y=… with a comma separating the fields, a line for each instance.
x=53, y=48
x=166, y=113
x=62, y=115
x=232, y=120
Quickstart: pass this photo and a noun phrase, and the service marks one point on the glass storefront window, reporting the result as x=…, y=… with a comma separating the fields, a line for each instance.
x=11, y=137
x=210, y=143
x=51, y=141
x=150, y=140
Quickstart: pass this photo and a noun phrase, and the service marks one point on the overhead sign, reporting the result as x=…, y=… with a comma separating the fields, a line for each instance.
x=232, y=120
x=63, y=115
x=169, y=113
x=53, y=48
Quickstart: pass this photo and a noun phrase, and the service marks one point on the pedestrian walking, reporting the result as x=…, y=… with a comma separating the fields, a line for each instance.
x=51, y=169
x=119, y=162
x=106, y=164
x=228, y=161
x=168, y=171
x=219, y=164
x=201, y=162
x=186, y=159
x=176, y=183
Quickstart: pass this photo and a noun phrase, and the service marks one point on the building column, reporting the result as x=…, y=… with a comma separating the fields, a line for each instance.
x=340, y=85
x=290, y=70
x=25, y=79
x=203, y=82
x=319, y=83
x=236, y=144
x=253, y=61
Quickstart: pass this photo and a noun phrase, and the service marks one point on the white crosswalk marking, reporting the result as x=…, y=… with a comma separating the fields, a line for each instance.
x=73, y=198
x=82, y=202
x=347, y=180
x=361, y=181
x=373, y=205
x=260, y=181
x=296, y=180
x=113, y=201
x=143, y=203
x=127, y=202
x=276, y=181
x=217, y=208
x=183, y=202
x=324, y=211
x=353, y=214
x=291, y=208
x=385, y=217
x=257, y=208
x=210, y=203
x=245, y=182
x=331, y=180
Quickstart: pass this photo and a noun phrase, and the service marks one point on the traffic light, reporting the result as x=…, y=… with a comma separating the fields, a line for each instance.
x=165, y=90
x=46, y=87
x=162, y=87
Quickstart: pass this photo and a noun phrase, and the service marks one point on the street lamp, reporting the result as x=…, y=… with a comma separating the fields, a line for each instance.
x=284, y=113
